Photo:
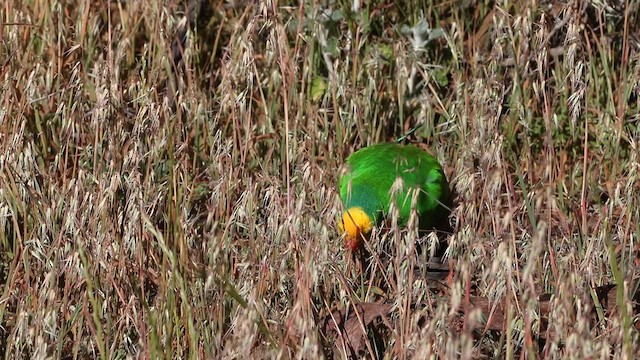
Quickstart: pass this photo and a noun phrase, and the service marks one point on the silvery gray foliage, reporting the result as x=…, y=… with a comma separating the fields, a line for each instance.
x=421, y=34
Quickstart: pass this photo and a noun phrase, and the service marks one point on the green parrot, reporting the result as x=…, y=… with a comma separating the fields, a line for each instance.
x=373, y=174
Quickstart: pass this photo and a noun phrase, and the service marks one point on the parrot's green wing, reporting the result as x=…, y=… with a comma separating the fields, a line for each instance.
x=372, y=172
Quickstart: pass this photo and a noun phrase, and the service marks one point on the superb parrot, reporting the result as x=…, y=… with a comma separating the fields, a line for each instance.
x=369, y=183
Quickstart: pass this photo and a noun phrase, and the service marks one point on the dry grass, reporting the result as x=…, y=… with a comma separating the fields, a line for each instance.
x=186, y=210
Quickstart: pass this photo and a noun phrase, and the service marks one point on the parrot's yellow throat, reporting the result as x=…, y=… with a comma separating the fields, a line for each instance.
x=357, y=225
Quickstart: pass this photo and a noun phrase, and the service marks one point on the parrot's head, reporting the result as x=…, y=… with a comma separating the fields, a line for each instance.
x=356, y=225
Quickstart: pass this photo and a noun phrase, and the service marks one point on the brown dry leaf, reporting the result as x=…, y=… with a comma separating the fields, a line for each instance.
x=350, y=328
